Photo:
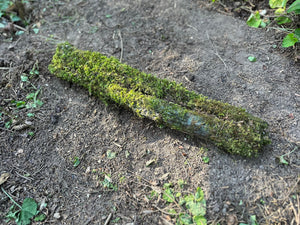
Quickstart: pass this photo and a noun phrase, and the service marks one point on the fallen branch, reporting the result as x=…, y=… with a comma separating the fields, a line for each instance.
x=229, y=127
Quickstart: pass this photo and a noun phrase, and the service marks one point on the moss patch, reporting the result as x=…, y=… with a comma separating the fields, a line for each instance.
x=230, y=128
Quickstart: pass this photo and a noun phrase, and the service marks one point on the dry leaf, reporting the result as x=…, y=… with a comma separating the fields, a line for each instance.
x=4, y=177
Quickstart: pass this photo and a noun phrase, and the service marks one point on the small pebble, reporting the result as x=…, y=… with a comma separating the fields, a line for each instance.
x=56, y=215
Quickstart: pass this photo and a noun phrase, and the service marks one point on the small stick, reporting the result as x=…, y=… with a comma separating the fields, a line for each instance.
x=164, y=212
x=19, y=27
x=120, y=146
x=108, y=219
x=216, y=53
x=11, y=198
x=121, y=40
x=26, y=178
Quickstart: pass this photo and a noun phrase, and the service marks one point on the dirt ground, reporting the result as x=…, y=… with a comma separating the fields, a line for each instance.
x=122, y=158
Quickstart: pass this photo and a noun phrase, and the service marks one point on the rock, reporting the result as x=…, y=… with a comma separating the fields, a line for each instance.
x=56, y=215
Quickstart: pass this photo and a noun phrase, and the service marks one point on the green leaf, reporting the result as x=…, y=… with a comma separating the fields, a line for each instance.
x=8, y=124
x=196, y=208
x=277, y=3
x=200, y=220
x=4, y=5
x=14, y=18
x=39, y=102
x=168, y=195
x=35, y=30
x=252, y=59
x=29, y=210
x=108, y=16
x=39, y=218
x=283, y=20
x=189, y=198
x=289, y=40
x=295, y=7
x=24, y=78
x=178, y=194
x=181, y=183
x=20, y=32
x=283, y=161
x=199, y=195
x=110, y=154
x=34, y=71
x=167, y=185
x=263, y=24
x=253, y=220
x=12, y=214
x=30, y=114
x=20, y=104
x=254, y=20
x=172, y=211
x=181, y=201
x=297, y=33
x=185, y=219
x=205, y=159
x=76, y=162
x=279, y=11
x=30, y=96
x=30, y=105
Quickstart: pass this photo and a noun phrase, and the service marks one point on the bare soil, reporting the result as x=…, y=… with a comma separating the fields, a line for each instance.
x=183, y=41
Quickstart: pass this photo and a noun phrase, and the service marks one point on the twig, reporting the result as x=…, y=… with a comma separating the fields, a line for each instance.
x=297, y=214
x=290, y=151
x=120, y=146
x=26, y=178
x=164, y=212
x=216, y=52
x=11, y=198
x=121, y=40
x=108, y=219
x=291, y=190
x=20, y=28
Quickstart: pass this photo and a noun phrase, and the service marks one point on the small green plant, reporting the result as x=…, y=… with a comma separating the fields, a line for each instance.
x=107, y=183
x=205, y=159
x=282, y=16
x=110, y=154
x=252, y=221
x=22, y=215
x=76, y=161
x=282, y=160
x=252, y=59
x=189, y=208
x=8, y=124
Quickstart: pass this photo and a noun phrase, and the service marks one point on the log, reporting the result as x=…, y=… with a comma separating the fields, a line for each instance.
x=229, y=127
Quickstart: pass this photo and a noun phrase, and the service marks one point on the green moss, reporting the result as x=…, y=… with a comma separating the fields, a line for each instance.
x=229, y=127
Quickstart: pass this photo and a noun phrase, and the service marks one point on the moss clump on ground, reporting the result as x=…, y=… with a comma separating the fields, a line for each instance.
x=229, y=127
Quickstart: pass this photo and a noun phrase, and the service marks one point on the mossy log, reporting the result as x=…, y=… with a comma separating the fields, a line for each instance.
x=228, y=127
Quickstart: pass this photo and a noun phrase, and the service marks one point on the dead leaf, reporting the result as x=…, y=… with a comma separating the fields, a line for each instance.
x=4, y=177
